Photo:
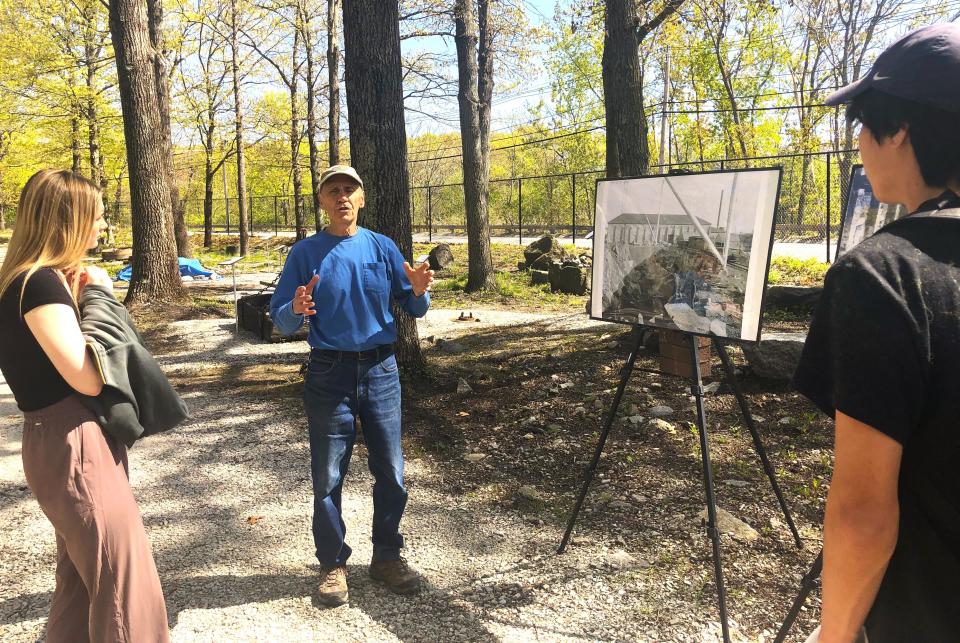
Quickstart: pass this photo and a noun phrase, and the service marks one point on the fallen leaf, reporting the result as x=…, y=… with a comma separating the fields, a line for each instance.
x=463, y=414
x=252, y=520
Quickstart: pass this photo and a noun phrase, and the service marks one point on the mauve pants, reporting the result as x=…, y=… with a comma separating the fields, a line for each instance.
x=107, y=585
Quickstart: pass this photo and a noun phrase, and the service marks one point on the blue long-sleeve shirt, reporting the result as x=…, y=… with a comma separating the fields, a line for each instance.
x=358, y=276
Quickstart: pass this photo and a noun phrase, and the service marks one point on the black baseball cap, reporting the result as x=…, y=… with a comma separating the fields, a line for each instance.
x=922, y=67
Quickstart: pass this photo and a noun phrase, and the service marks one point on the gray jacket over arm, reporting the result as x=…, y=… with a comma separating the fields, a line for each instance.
x=137, y=400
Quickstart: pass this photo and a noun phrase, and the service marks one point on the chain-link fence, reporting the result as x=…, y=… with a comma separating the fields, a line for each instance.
x=812, y=191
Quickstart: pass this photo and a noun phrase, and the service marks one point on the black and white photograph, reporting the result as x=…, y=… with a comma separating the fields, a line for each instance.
x=863, y=214
x=686, y=252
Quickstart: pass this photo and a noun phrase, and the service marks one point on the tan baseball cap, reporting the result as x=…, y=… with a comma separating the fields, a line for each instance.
x=339, y=170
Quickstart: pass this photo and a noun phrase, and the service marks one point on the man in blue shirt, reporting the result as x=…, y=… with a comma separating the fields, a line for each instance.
x=341, y=280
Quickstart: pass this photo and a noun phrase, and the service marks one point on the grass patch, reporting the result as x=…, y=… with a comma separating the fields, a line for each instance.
x=797, y=272
x=512, y=287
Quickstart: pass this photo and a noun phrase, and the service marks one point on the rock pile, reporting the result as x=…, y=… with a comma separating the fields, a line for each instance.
x=548, y=263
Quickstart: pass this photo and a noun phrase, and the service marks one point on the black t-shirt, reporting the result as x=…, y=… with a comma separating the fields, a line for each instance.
x=32, y=378
x=884, y=348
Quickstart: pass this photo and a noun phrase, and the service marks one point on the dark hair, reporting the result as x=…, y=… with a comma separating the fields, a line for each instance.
x=934, y=133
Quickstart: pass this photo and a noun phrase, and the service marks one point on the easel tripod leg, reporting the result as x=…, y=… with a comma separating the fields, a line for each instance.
x=732, y=382
x=806, y=586
x=611, y=415
x=712, y=530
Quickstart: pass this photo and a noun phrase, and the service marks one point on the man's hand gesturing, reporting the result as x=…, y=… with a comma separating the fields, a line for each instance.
x=420, y=278
x=303, y=299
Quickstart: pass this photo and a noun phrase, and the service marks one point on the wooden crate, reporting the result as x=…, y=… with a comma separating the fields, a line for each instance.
x=675, y=354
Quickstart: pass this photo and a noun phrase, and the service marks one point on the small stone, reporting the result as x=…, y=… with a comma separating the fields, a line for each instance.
x=661, y=411
x=662, y=425
x=759, y=419
x=531, y=493
x=656, y=385
x=463, y=386
x=554, y=427
x=635, y=420
x=528, y=436
x=737, y=483
x=786, y=421
x=711, y=388
x=621, y=560
x=613, y=345
x=474, y=457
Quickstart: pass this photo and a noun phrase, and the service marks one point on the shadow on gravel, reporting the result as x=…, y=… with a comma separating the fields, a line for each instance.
x=25, y=607
x=221, y=591
x=429, y=616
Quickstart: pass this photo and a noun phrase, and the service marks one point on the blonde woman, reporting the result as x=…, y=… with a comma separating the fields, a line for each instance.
x=107, y=588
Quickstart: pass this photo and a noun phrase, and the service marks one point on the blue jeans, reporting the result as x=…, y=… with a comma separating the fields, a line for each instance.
x=337, y=389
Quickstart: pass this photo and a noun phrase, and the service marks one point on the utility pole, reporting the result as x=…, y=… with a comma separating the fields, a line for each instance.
x=664, y=127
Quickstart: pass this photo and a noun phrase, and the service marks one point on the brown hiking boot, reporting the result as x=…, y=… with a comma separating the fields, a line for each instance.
x=397, y=575
x=333, y=585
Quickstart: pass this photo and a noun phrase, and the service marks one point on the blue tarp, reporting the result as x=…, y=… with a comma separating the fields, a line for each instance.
x=188, y=268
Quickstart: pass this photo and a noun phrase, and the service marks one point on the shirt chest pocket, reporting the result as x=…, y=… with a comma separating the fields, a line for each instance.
x=375, y=277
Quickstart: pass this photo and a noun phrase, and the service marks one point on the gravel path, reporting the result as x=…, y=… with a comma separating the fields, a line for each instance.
x=226, y=499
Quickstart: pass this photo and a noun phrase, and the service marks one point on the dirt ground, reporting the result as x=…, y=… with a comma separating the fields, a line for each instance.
x=493, y=474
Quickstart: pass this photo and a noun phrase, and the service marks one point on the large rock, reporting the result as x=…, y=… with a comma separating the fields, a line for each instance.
x=440, y=257
x=569, y=277
x=538, y=277
x=776, y=356
x=544, y=262
x=545, y=245
x=798, y=298
x=732, y=526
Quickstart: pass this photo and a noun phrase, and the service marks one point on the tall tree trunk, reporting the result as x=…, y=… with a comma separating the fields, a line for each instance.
x=76, y=167
x=312, y=119
x=298, y=214
x=333, y=76
x=238, y=129
x=161, y=67
x=209, y=172
x=378, y=139
x=475, y=89
x=628, y=152
x=156, y=276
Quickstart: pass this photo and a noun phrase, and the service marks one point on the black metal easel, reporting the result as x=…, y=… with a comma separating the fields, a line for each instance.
x=806, y=586
x=697, y=390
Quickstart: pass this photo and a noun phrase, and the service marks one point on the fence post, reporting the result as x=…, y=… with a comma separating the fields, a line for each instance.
x=276, y=222
x=573, y=198
x=430, y=213
x=520, y=209
x=828, y=207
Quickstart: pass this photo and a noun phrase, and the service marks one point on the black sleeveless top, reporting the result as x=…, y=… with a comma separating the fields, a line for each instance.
x=32, y=378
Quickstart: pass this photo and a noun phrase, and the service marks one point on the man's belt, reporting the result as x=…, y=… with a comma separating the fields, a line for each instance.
x=376, y=353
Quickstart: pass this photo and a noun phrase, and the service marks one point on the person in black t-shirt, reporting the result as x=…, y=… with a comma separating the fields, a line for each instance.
x=107, y=585
x=883, y=358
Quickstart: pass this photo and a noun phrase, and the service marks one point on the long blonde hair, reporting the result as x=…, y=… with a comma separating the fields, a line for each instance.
x=55, y=217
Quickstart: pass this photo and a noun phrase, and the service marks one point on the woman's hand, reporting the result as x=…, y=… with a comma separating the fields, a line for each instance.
x=97, y=276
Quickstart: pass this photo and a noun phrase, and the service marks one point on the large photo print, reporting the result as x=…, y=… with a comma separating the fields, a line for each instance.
x=863, y=214
x=685, y=252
